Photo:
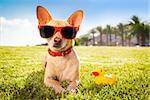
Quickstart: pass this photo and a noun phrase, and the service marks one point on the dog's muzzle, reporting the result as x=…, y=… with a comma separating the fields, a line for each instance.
x=57, y=42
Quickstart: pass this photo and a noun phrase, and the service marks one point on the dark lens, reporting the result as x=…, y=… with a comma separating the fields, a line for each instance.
x=69, y=32
x=46, y=31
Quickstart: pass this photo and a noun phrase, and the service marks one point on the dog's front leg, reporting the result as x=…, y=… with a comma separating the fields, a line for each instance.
x=50, y=82
x=44, y=61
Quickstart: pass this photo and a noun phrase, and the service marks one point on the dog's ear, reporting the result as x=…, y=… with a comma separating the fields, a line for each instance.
x=42, y=15
x=76, y=18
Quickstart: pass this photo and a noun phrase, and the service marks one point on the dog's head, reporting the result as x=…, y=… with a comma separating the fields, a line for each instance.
x=57, y=42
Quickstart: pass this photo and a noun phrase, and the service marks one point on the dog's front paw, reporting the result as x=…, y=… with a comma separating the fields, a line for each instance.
x=71, y=88
x=59, y=90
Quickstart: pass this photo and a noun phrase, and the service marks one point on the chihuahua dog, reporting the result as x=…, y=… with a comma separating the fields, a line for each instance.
x=61, y=61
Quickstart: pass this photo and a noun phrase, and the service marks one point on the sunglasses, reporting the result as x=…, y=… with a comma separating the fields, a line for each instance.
x=67, y=32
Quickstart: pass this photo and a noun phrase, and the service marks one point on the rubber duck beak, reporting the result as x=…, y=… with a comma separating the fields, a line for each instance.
x=95, y=73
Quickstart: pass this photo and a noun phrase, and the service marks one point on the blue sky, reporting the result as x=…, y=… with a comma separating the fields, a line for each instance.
x=19, y=24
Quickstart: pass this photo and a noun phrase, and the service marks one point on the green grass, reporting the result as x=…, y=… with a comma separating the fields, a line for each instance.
x=21, y=74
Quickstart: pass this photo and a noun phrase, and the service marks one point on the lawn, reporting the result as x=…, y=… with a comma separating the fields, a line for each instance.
x=21, y=74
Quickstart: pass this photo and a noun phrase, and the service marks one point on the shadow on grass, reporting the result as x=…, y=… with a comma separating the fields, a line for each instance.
x=34, y=88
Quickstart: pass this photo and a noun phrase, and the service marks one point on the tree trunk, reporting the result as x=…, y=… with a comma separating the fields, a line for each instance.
x=138, y=39
x=122, y=39
x=125, y=39
x=93, y=39
x=107, y=38
x=129, y=41
x=115, y=38
x=110, y=38
x=100, y=41
x=109, y=32
x=86, y=43
x=143, y=39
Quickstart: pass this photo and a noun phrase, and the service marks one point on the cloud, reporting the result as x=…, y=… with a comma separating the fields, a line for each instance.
x=24, y=32
x=18, y=32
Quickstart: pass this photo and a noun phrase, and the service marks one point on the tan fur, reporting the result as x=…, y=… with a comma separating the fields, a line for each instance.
x=64, y=67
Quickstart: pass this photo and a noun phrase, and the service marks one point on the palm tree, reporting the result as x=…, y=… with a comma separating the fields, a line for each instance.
x=106, y=34
x=144, y=29
x=140, y=30
x=135, y=24
x=128, y=35
x=100, y=30
x=93, y=31
x=121, y=29
x=109, y=32
x=115, y=32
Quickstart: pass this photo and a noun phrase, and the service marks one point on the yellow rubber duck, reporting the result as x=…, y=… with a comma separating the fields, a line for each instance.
x=107, y=79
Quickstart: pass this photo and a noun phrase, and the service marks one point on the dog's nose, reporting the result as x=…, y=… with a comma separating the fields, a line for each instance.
x=57, y=40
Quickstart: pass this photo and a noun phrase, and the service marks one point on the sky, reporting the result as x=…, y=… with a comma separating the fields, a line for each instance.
x=18, y=23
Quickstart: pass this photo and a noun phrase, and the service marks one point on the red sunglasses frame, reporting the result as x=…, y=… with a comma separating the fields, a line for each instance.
x=58, y=29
